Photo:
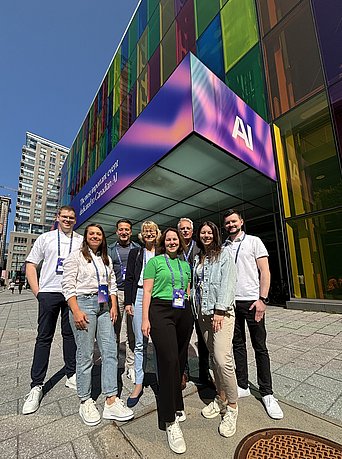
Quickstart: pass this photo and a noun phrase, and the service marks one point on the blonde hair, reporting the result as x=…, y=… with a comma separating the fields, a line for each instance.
x=149, y=223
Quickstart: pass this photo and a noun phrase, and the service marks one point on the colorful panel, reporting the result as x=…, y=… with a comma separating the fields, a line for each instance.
x=209, y=48
x=205, y=12
x=223, y=118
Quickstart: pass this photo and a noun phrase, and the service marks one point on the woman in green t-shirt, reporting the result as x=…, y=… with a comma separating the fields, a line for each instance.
x=168, y=318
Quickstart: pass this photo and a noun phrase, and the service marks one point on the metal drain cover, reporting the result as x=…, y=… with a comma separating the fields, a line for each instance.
x=286, y=444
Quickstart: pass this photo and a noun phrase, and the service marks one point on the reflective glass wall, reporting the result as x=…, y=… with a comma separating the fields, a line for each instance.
x=283, y=58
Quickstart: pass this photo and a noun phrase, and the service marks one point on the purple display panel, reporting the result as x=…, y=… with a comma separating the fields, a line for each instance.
x=165, y=122
x=226, y=120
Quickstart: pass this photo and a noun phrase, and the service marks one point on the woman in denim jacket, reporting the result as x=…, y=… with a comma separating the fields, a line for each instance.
x=213, y=296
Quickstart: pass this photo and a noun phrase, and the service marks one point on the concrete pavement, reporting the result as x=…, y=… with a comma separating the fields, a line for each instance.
x=306, y=360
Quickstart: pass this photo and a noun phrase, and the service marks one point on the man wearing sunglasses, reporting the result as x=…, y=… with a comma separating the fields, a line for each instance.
x=51, y=249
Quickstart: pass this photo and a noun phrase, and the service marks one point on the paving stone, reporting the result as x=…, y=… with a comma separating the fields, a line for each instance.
x=318, y=356
x=312, y=397
x=283, y=385
x=112, y=444
x=64, y=451
x=335, y=410
x=8, y=448
x=84, y=449
x=8, y=409
x=286, y=355
x=333, y=370
x=298, y=371
x=328, y=384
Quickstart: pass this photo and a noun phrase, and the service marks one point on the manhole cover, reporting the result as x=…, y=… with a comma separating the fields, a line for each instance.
x=286, y=444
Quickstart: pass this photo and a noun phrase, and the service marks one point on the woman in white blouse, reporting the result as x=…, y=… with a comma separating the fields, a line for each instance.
x=89, y=286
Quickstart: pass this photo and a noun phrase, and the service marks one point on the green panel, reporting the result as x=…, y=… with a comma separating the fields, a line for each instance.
x=142, y=52
x=117, y=65
x=153, y=33
x=205, y=11
x=133, y=34
x=111, y=78
x=168, y=53
x=151, y=6
x=239, y=30
x=115, y=128
x=246, y=79
x=132, y=74
x=116, y=96
x=167, y=15
x=223, y=2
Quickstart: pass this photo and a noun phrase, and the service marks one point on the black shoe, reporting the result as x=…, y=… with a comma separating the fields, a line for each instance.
x=132, y=401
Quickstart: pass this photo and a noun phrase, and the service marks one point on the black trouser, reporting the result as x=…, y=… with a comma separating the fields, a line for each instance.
x=50, y=304
x=257, y=333
x=171, y=331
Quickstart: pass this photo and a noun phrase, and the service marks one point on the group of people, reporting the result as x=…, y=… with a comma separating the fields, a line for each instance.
x=162, y=288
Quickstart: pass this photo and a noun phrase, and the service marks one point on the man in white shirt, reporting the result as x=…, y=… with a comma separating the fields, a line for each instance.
x=253, y=283
x=51, y=248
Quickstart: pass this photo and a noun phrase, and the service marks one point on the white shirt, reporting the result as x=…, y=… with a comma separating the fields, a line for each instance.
x=245, y=251
x=46, y=249
x=80, y=277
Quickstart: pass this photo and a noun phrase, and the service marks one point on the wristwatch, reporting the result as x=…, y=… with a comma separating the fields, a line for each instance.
x=264, y=300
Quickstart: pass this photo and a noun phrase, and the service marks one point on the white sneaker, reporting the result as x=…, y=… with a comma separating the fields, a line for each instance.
x=227, y=427
x=117, y=411
x=130, y=374
x=71, y=382
x=32, y=400
x=181, y=416
x=89, y=413
x=175, y=437
x=243, y=392
x=214, y=408
x=272, y=407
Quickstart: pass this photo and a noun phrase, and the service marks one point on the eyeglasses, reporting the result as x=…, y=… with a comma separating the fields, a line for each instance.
x=149, y=232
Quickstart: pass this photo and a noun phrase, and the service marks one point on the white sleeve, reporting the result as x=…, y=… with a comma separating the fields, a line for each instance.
x=113, y=289
x=259, y=248
x=70, y=271
x=38, y=251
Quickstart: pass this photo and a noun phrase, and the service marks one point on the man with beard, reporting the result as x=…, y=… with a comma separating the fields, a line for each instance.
x=253, y=283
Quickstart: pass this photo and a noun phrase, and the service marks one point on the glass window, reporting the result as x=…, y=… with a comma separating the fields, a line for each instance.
x=209, y=48
x=313, y=246
x=153, y=33
x=246, y=79
x=167, y=15
x=133, y=34
x=168, y=53
x=179, y=5
x=205, y=11
x=272, y=11
x=185, y=30
x=329, y=28
x=142, y=52
x=335, y=93
x=142, y=91
x=311, y=179
x=151, y=6
x=154, y=73
x=237, y=16
x=293, y=65
x=142, y=18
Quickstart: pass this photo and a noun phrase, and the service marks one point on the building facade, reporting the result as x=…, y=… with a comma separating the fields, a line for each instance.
x=5, y=207
x=37, y=201
x=284, y=60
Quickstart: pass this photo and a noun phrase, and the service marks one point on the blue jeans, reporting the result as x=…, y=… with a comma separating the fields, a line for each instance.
x=100, y=327
x=140, y=348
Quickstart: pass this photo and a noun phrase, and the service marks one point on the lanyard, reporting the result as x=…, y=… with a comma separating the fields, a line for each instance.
x=238, y=249
x=118, y=255
x=97, y=271
x=187, y=255
x=145, y=257
x=59, y=244
x=172, y=274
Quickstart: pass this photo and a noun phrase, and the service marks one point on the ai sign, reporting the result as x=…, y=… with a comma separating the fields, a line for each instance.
x=245, y=132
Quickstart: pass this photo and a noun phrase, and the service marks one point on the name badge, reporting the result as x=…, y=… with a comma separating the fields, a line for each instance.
x=103, y=296
x=59, y=266
x=178, y=297
x=123, y=272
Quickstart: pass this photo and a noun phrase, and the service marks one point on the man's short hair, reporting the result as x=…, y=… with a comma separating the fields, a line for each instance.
x=185, y=219
x=230, y=212
x=68, y=208
x=124, y=220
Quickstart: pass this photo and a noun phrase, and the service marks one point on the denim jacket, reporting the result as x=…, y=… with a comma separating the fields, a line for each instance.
x=218, y=287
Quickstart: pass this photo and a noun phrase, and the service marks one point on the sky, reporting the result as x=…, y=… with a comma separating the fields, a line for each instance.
x=53, y=57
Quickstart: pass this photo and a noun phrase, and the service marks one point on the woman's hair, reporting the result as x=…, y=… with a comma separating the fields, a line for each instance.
x=161, y=242
x=215, y=247
x=152, y=225
x=102, y=250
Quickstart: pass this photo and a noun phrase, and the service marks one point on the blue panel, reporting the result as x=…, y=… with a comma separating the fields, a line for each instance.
x=209, y=47
x=124, y=51
x=142, y=17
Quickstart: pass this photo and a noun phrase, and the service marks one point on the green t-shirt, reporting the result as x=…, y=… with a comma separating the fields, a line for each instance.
x=157, y=269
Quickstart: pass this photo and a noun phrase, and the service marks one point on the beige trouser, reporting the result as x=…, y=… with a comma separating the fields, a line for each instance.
x=129, y=340
x=220, y=349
